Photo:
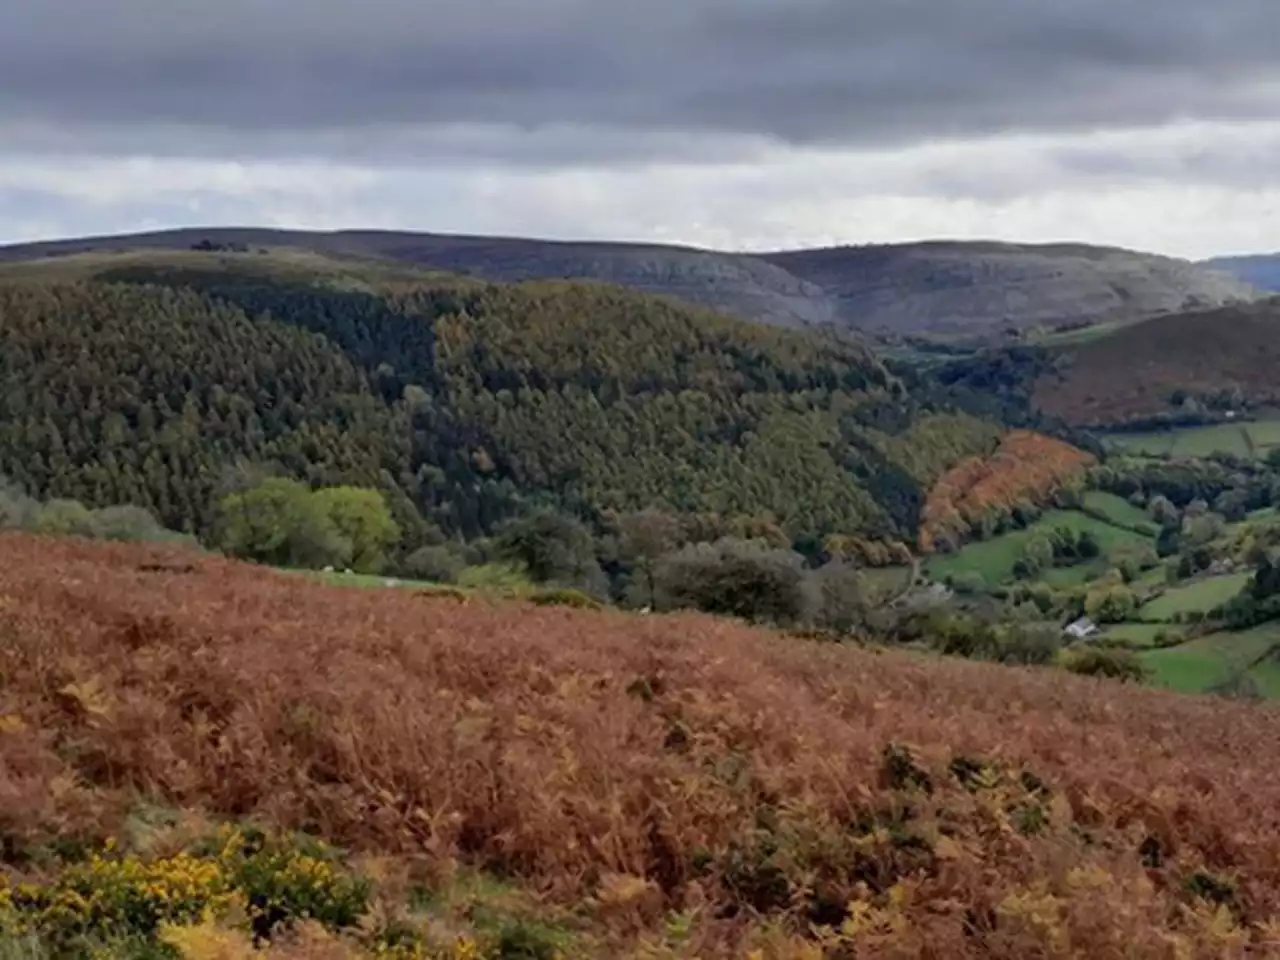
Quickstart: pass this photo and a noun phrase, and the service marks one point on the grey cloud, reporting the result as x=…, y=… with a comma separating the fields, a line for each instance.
x=608, y=77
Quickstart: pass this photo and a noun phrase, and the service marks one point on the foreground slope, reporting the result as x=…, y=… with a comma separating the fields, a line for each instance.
x=746, y=786
x=954, y=288
x=1148, y=369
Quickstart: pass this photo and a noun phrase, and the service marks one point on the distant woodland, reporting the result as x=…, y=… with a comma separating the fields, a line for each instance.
x=465, y=404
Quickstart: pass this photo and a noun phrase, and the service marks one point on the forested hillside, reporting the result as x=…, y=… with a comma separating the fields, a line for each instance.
x=162, y=383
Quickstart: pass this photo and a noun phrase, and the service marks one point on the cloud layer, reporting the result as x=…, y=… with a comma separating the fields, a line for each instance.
x=797, y=70
x=747, y=122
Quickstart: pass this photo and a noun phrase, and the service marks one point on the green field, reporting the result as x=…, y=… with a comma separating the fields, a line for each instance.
x=1198, y=595
x=1265, y=435
x=1080, y=574
x=1151, y=579
x=1138, y=634
x=1120, y=511
x=1202, y=664
x=1244, y=439
x=1267, y=676
x=994, y=559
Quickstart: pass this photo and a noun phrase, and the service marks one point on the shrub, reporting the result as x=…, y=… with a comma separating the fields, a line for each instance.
x=17, y=510
x=553, y=549
x=363, y=519
x=127, y=523
x=1115, y=664
x=282, y=885
x=436, y=563
x=968, y=583
x=109, y=897
x=1110, y=604
x=65, y=517
x=445, y=592
x=740, y=578
x=500, y=577
x=122, y=897
x=280, y=522
x=840, y=597
x=1029, y=645
x=564, y=597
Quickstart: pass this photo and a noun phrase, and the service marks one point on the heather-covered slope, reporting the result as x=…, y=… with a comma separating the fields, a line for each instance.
x=674, y=786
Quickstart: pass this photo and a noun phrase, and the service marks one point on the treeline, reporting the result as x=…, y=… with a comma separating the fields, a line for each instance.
x=644, y=560
x=1231, y=486
x=465, y=405
x=18, y=511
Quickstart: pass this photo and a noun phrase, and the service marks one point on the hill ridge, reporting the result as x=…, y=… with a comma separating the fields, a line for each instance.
x=944, y=286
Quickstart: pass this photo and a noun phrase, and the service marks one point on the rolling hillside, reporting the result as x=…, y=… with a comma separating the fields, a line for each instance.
x=1150, y=369
x=950, y=288
x=1261, y=270
x=503, y=781
x=977, y=289
x=148, y=378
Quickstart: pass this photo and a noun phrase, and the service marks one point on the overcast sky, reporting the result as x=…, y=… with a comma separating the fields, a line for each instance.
x=743, y=124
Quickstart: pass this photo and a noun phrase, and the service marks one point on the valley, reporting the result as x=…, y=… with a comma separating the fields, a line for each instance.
x=385, y=611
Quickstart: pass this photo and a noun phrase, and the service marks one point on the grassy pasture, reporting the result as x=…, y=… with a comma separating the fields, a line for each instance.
x=1244, y=439
x=994, y=559
x=1120, y=511
x=1138, y=634
x=1202, y=664
x=1198, y=595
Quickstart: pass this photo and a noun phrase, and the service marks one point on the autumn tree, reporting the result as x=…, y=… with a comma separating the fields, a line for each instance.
x=644, y=538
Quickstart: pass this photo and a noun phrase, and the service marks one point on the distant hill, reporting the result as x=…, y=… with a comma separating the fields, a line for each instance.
x=963, y=289
x=1166, y=368
x=1261, y=270
x=146, y=378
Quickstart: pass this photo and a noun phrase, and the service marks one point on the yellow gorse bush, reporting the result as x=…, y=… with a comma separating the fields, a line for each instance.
x=119, y=896
x=243, y=877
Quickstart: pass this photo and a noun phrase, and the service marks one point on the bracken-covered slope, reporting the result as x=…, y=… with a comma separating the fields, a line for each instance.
x=143, y=379
x=685, y=787
x=1139, y=371
x=954, y=288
